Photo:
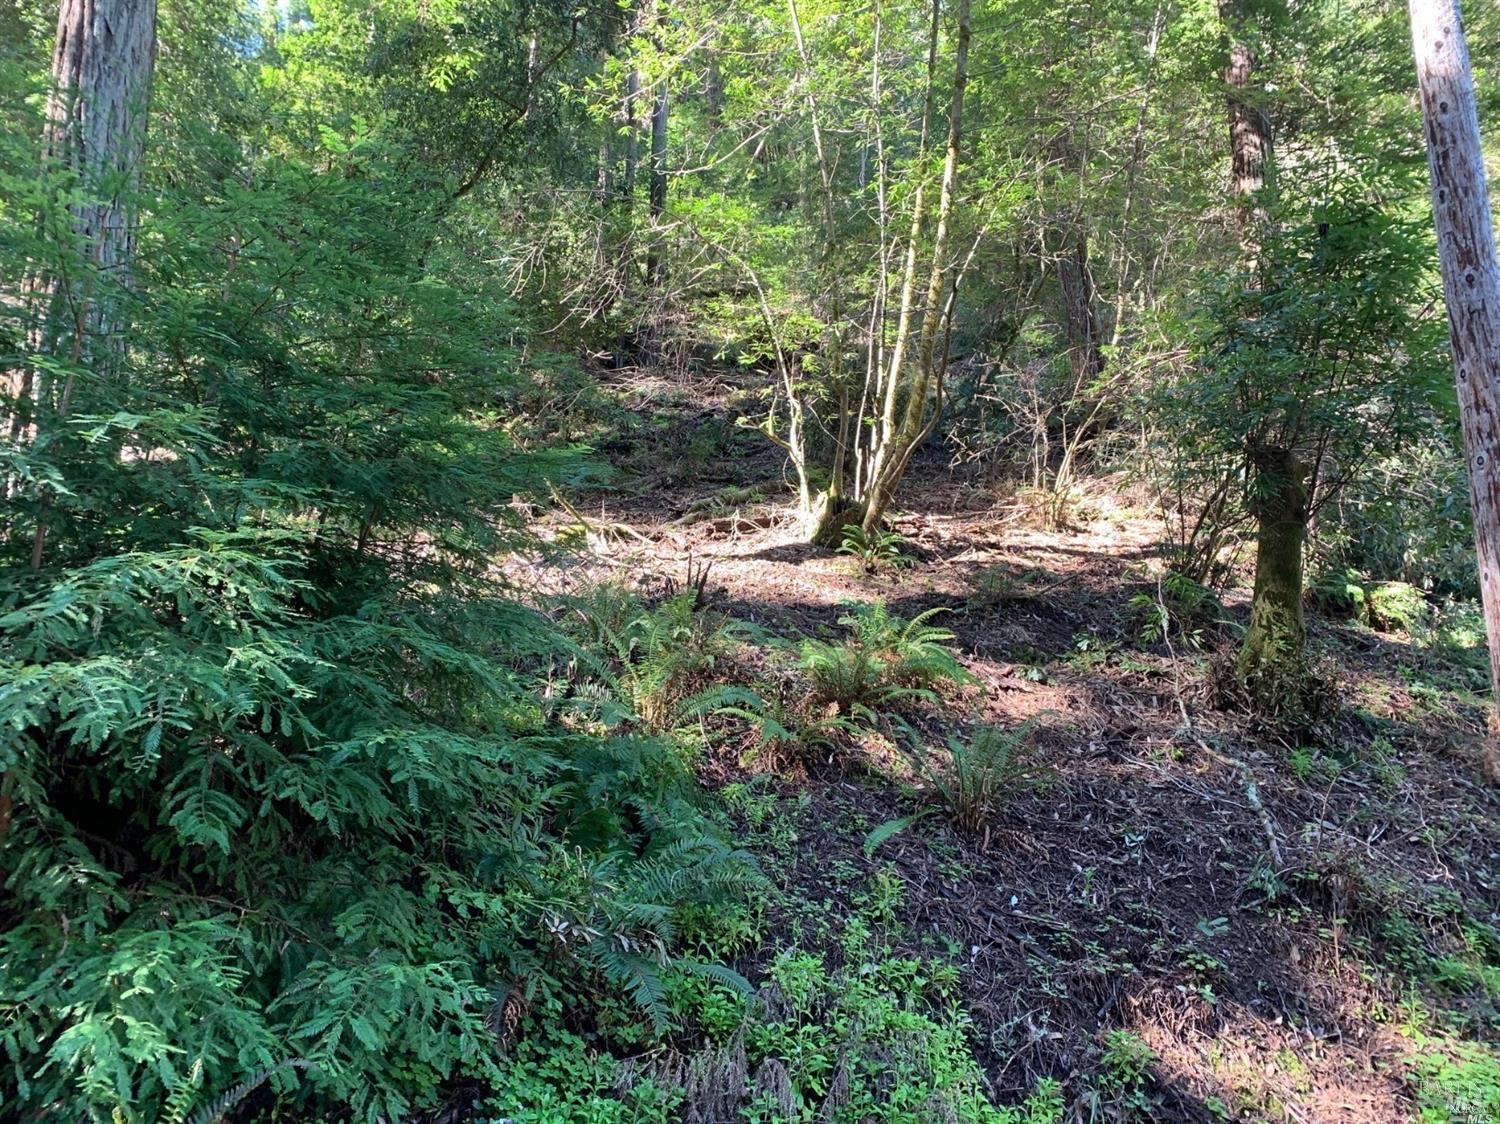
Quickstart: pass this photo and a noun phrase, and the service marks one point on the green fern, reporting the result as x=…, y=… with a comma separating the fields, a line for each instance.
x=884, y=662
x=876, y=549
x=980, y=771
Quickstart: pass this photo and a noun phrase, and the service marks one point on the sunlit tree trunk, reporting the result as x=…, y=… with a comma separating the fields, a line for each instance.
x=1249, y=127
x=96, y=129
x=95, y=133
x=1270, y=661
x=915, y=424
x=1471, y=273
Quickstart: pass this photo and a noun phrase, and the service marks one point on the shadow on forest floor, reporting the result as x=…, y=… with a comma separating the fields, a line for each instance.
x=1131, y=901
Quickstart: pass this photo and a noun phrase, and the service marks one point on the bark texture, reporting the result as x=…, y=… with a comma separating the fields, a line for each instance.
x=1080, y=308
x=1471, y=273
x=1249, y=126
x=655, y=270
x=896, y=446
x=96, y=130
x=1271, y=660
x=93, y=138
x=1272, y=666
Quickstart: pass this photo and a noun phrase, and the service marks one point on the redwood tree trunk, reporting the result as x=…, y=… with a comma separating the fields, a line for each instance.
x=1249, y=126
x=658, y=187
x=95, y=133
x=96, y=129
x=1471, y=274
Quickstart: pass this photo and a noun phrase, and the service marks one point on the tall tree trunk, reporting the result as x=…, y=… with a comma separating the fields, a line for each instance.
x=1249, y=127
x=96, y=129
x=95, y=133
x=655, y=270
x=1080, y=309
x=632, y=134
x=915, y=425
x=1471, y=274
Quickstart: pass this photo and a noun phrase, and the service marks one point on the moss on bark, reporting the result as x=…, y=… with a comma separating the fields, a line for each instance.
x=1272, y=667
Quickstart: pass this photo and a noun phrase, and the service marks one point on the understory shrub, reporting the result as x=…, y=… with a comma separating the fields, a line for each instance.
x=1177, y=608
x=281, y=799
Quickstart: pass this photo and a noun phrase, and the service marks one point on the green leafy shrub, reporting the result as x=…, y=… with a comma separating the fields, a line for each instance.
x=1398, y=607
x=1456, y=1082
x=285, y=804
x=883, y=1039
x=660, y=663
x=1178, y=607
x=1340, y=592
x=1126, y=1065
x=560, y=1080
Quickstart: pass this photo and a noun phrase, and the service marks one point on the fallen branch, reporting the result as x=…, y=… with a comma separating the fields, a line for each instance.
x=602, y=533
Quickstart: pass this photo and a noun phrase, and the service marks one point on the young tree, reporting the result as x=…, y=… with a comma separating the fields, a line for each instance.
x=1279, y=471
x=1312, y=355
x=1471, y=273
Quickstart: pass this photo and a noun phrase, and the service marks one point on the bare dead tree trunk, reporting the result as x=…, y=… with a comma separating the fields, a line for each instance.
x=1471, y=273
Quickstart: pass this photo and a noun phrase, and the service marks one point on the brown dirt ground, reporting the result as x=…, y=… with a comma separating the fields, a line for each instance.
x=1092, y=903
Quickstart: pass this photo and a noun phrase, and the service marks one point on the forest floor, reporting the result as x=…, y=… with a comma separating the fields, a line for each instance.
x=1190, y=915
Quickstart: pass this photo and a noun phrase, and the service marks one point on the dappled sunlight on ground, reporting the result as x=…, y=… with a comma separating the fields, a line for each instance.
x=1131, y=888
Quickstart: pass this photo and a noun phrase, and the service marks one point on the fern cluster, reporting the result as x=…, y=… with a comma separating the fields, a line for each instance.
x=660, y=663
x=875, y=549
x=883, y=661
x=1178, y=607
x=981, y=771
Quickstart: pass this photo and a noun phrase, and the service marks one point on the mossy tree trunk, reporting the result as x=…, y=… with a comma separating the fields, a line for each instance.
x=1271, y=664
